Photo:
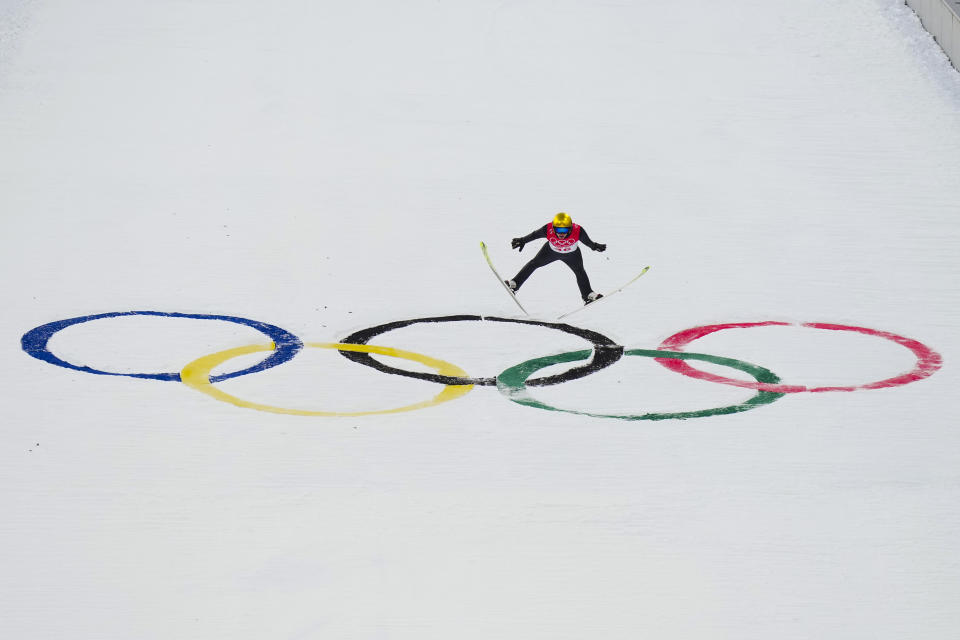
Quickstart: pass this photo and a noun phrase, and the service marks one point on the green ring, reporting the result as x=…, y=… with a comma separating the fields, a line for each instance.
x=512, y=383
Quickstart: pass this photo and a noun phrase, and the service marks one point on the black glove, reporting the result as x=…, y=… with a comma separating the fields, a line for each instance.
x=517, y=243
x=599, y=247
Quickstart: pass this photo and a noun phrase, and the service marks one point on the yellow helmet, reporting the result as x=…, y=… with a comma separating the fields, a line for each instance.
x=562, y=220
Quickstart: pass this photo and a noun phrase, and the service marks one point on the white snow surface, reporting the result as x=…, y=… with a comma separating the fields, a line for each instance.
x=328, y=166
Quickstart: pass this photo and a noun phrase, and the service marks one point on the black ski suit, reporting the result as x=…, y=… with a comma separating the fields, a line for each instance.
x=546, y=255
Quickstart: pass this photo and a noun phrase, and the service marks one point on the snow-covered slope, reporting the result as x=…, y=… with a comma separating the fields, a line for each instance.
x=329, y=167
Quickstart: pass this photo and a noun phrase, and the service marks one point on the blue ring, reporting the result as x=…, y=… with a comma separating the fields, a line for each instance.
x=287, y=345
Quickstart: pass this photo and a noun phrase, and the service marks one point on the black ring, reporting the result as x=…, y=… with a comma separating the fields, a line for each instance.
x=605, y=351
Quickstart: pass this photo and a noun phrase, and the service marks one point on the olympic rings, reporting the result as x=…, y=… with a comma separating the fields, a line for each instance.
x=34, y=342
x=606, y=351
x=197, y=376
x=928, y=360
x=512, y=384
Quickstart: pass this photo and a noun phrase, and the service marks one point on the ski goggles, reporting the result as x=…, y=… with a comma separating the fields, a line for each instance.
x=562, y=229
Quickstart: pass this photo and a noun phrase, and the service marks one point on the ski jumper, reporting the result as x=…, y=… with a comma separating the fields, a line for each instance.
x=563, y=249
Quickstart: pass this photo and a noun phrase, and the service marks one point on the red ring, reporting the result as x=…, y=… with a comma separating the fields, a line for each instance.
x=928, y=360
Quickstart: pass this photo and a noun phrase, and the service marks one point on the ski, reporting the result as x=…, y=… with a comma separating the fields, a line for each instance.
x=486, y=255
x=606, y=295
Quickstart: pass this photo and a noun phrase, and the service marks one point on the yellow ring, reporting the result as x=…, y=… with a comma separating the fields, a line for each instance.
x=197, y=376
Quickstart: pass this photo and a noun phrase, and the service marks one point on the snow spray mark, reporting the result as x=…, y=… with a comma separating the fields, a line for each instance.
x=197, y=376
x=605, y=351
x=928, y=360
x=512, y=384
x=34, y=342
